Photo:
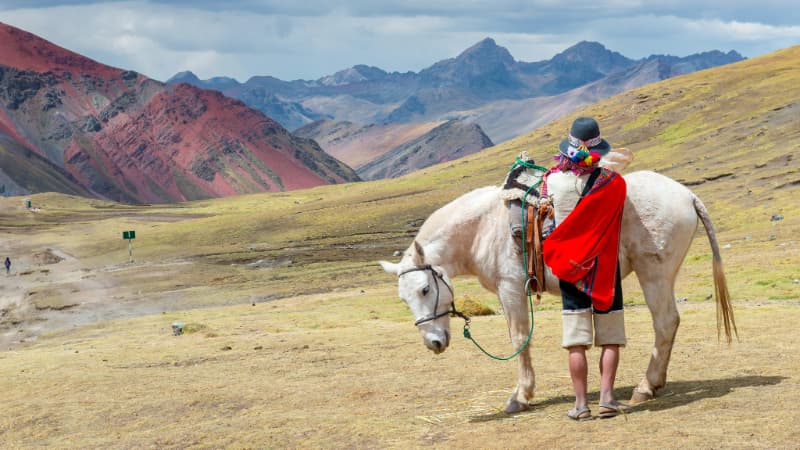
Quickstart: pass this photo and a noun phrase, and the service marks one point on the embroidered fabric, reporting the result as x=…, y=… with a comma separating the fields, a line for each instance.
x=564, y=164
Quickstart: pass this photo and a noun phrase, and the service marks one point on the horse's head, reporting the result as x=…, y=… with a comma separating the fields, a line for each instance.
x=428, y=292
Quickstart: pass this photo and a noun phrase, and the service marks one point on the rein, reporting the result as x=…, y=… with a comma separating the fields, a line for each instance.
x=454, y=312
x=528, y=279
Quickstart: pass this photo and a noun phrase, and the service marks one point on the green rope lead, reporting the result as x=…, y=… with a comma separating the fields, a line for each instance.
x=524, y=345
x=518, y=162
x=468, y=335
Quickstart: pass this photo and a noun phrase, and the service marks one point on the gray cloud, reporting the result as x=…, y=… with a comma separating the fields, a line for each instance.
x=309, y=39
x=774, y=12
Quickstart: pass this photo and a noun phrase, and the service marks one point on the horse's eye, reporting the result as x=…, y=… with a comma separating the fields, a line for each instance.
x=425, y=290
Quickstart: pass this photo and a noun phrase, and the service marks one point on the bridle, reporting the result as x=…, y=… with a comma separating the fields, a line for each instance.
x=467, y=334
x=436, y=277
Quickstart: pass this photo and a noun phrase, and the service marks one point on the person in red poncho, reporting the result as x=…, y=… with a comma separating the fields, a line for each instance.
x=582, y=252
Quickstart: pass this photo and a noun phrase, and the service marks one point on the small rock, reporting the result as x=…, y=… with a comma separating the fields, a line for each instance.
x=747, y=238
x=709, y=296
x=177, y=328
x=397, y=253
x=726, y=246
x=796, y=281
x=681, y=300
x=772, y=237
x=226, y=348
x=776, y=217
x=257, y=347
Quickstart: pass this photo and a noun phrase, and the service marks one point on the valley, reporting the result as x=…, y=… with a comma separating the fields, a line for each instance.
x=294, y=336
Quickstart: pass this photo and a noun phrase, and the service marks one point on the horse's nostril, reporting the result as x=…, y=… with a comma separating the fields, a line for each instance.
x=437, y=344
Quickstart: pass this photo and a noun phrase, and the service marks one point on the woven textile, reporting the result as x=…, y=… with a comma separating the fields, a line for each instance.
x=583, y=249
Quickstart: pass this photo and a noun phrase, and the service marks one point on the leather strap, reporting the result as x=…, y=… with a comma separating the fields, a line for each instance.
x=533, y=247
x=543, y=213
x=530, y=232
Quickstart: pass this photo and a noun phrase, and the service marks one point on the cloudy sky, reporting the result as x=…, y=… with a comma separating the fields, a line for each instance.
x=307, y=39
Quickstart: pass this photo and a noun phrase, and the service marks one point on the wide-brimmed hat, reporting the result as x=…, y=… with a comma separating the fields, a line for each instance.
x=584, y=132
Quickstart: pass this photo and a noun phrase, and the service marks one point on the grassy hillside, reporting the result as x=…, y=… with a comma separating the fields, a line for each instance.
x=729, y=133
x=726, y=132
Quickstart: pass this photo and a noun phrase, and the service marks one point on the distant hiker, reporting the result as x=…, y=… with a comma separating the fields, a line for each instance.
x=8, y=265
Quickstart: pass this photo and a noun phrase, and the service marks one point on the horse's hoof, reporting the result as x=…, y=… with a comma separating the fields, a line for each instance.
x=640, y=397
x=514, y=406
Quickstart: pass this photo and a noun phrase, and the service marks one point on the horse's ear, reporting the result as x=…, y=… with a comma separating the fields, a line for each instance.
x=418, y=257
x=391, y=268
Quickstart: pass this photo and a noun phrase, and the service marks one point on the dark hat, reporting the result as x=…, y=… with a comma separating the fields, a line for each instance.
x=584, y=131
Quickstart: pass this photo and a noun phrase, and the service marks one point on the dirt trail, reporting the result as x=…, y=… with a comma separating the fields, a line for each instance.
x=46, y=289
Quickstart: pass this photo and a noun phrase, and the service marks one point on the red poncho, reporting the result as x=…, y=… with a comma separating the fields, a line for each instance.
x=583, y=249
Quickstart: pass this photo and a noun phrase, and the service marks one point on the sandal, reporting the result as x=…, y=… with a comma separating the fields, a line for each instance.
x=613, y=409
x=580, y=414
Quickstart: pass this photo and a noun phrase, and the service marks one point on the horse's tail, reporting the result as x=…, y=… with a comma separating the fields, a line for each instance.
x=724, y=308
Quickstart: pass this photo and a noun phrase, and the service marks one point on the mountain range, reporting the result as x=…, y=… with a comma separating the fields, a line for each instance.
x=92, y=129
x=467, y=87
x=72, y=124
x=483, y=86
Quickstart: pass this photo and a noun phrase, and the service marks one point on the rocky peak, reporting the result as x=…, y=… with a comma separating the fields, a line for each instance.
x=486, y=52
x=593, y=55
x=485, y=63
x=355, y=74
x=220, y=83
x=215, y=83
x=187, y=76
x=26, y=51
x=370, y=72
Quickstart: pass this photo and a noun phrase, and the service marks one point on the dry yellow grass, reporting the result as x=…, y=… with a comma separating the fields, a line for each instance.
x=349, y=370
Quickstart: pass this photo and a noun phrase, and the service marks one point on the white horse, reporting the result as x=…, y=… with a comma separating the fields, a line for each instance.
x=471, y=236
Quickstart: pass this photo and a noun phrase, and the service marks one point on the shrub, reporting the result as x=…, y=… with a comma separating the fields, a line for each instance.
x=473, y=307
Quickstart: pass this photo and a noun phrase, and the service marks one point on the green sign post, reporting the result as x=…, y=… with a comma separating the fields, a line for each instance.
x=28, y=204
x=130, y=236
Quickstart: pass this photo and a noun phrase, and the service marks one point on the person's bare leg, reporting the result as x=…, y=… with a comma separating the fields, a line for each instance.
x=578, y=371
x=609, y=361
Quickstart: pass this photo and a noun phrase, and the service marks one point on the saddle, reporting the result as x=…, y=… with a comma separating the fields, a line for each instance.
x=521, y=187
x=534, y=237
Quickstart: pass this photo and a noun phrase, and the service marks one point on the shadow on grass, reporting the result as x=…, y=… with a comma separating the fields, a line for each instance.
x=674, y=394
x=681, y=393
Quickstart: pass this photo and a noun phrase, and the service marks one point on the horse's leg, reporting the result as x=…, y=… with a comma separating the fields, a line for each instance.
x=660, y=297
x=515, y=307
